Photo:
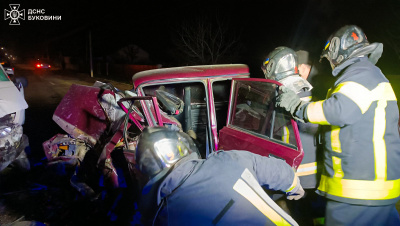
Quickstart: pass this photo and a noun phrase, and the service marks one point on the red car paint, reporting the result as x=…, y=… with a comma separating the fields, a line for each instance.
x=229, y=137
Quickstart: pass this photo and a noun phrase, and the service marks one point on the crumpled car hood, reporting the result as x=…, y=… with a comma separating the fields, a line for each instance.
x=11, y=100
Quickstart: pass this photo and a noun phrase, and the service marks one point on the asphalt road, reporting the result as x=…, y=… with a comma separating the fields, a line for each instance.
x=44, y=194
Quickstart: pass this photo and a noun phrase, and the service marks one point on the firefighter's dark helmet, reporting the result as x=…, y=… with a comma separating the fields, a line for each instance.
x=160, y=148
x=280, y=63
x=343, y=44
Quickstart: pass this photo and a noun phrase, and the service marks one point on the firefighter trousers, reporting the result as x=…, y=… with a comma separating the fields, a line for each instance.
x=339, y=213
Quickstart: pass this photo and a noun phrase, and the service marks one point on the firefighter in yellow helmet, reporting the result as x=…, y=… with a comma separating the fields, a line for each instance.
x=361, y=176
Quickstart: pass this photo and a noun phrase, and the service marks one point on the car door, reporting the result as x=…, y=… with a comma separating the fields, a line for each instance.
x=256, y=125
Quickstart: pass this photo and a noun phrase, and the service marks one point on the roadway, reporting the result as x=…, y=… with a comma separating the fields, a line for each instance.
x=44, y=194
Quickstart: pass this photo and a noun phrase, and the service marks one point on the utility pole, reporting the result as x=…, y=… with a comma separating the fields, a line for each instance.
x=90, y=54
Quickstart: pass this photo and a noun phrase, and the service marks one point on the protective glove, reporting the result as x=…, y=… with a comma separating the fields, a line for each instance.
x=289, y=101
x=296, y=195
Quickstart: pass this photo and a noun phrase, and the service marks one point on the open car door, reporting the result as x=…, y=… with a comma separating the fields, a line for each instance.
x=254, y=123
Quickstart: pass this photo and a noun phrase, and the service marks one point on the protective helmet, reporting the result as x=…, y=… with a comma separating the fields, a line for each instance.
x=280, y=63
x=159, y=149
x=343, y=44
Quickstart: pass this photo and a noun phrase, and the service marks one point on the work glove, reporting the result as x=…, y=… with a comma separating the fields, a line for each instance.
x=296, y=195
x=289, y=100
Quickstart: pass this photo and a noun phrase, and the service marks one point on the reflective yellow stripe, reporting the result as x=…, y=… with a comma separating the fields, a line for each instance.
x=337, y=167
x=329, y=94
x=315, y=113
x=307, y=165
x=335, y=141
x=306, y=173
x=336, y=147
x=378, y=189
x=360, y=189
x=285, y=134
x=248, y=193
x=379, y=141
x=362, y=96
x=307, y=169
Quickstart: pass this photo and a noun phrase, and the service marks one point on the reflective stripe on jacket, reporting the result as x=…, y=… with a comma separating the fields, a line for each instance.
x=307, y=171
x=362, y=144
x=225, y=190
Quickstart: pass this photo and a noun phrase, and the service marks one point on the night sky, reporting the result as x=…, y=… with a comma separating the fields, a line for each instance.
x=260, y=25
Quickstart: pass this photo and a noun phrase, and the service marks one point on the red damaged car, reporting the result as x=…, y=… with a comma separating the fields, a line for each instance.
x=223, y=109
x=219, y=106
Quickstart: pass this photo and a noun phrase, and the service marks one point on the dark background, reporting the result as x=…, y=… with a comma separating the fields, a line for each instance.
x=260, y=25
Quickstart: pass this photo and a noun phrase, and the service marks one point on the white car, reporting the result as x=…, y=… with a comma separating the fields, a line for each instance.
x=8, y=68
x=12, y=116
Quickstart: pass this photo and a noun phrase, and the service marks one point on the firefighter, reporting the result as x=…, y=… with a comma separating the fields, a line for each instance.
x=282, y=65
x=361, y=176
x=222, y=189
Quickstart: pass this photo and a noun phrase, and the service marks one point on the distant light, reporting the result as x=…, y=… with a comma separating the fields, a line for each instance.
x=5, y=54
x=2, y=47
x=38, y=65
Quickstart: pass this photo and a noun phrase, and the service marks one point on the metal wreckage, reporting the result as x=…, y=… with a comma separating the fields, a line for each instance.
x=219, y=106
x=13, y=141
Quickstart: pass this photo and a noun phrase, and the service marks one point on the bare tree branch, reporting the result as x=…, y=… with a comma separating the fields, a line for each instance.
x=206, y=40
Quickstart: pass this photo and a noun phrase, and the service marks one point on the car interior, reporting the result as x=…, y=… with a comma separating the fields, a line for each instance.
x=186, y=102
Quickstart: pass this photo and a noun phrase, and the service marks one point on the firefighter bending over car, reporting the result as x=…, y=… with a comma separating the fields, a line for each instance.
x=223, y=189
x=361, y=177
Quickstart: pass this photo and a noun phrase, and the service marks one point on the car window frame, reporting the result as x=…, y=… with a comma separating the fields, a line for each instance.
x=232, y=104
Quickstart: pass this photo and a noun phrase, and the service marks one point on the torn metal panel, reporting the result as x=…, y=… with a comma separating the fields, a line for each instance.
x=109, y=103
x=15, y=152
x=64, y=147
x=80, y=114
x=10, y=133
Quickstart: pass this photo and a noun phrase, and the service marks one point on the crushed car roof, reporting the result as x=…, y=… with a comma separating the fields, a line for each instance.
x=188, y=72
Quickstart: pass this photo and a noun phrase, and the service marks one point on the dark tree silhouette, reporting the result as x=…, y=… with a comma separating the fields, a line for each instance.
x=204, y=40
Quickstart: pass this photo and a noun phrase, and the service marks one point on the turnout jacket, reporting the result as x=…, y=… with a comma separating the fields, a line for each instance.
x=225, y=189
x=361, y=141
